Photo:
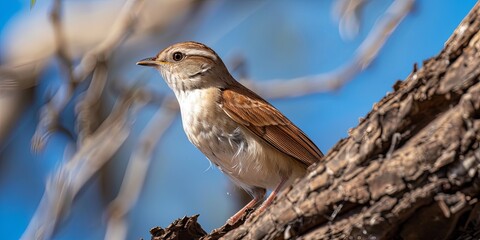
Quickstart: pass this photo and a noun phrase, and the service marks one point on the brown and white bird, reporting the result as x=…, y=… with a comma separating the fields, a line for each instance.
x=242, y=134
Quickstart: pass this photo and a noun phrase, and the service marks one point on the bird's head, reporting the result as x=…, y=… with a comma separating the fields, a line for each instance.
x=189, y=65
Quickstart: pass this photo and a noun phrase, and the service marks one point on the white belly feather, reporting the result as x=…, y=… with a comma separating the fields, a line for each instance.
x=235, y=151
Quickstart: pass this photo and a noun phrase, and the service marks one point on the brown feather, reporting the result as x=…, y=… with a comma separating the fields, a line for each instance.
x=264, y=120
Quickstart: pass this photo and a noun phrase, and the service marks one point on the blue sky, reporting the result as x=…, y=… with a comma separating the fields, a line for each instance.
x=278, y=39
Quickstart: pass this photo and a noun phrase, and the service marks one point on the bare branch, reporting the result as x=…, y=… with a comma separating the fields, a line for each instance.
x=137, y=171
x=87, y=107
x=63, y=186
x=155, y=18
x=50, y=112
x=347, y=11
x=95, y=60
x=14, y=78
x=121, y=29
x=60, y=43
x=331, y=81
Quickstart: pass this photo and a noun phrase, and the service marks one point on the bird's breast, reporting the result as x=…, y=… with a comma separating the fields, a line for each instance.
x=245, y=158
x=206, y=124
x=212, y=131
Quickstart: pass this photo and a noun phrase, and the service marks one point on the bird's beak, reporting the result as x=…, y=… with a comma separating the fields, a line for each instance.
x=150, y=62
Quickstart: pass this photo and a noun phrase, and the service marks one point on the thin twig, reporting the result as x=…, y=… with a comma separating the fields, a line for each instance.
x=331, y=81
x=87, y=107
x=60, y=43
x=51, y=110
x=137, y=171
x=347, y=12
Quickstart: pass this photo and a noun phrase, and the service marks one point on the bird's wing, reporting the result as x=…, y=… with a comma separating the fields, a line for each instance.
x=264, y=120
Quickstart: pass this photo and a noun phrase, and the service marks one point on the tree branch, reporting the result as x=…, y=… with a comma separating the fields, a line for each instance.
x=137, y=171
x=50, y=112
x=331, y=81
x=63, y=186
x=98, y=56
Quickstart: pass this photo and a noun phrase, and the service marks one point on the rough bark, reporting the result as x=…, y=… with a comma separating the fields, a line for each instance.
x=409, y=170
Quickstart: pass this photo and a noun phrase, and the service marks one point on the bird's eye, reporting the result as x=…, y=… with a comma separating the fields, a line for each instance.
x=177, y=56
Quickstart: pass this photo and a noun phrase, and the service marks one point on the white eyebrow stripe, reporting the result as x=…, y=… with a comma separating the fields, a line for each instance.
x=202, y=53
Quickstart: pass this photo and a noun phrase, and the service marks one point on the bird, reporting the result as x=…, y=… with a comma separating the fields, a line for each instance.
x=241, y=133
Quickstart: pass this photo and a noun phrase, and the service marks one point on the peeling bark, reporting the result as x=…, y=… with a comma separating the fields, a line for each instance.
x=409, y=170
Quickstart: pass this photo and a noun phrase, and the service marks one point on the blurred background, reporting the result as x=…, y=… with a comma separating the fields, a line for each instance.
x=78, y=117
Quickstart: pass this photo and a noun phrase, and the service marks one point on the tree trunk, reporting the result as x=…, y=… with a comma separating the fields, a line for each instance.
x=410, y=170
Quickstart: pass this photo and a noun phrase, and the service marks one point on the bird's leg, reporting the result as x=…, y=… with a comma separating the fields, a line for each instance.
x=271, y=197
x=258, y=195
